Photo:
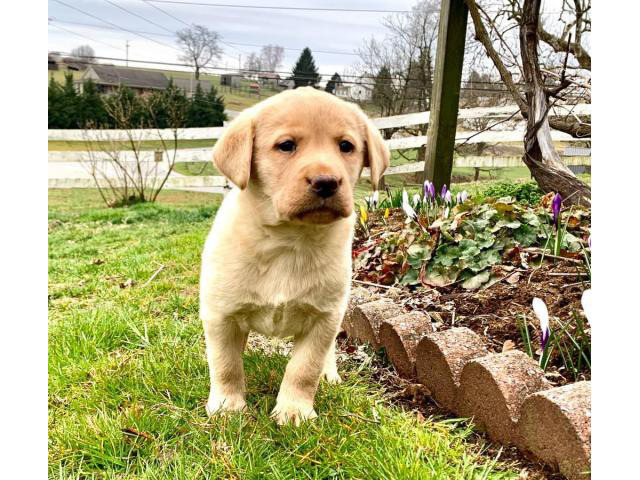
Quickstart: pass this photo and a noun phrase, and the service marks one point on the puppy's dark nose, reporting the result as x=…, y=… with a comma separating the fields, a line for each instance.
x=324, y=185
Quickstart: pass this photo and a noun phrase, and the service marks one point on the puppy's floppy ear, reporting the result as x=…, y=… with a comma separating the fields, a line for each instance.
x=377, y=153
x=233, y=151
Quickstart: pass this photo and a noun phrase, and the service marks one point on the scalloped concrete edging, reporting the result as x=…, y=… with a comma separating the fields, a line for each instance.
x=505, y=394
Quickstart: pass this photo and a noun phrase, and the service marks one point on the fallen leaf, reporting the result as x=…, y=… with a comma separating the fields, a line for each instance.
x=513, y=278
x=508, y=345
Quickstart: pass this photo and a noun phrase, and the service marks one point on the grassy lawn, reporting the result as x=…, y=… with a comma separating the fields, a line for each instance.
x=80, y=146
x=128, y=377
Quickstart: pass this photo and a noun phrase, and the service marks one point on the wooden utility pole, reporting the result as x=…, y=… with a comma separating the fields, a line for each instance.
x=443, y=118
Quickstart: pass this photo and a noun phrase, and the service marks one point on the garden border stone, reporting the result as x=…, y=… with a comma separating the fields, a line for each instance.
x=400, y=336
x=494, y=387
x=555, y=427
x=366, y=318
x=506, y=393
x=440, y=358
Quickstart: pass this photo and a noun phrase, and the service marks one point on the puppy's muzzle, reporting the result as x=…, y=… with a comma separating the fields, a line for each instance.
x=324, y=186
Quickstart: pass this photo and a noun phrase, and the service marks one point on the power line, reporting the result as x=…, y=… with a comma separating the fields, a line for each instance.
x=265, y=7
x=329, y=52
x=166, y=13
x=114, y=25
x=138, y=16
x=84, y=36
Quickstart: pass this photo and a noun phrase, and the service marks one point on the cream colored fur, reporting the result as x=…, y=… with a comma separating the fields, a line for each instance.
x=273, y=264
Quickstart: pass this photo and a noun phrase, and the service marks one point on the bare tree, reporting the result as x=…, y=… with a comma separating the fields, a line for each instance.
x=271, y=57
x=252, y=63
x=84, y=53
x=402, y=63
x=123, y=171
x=199, y=47
x=540, y=154
x=537, y=80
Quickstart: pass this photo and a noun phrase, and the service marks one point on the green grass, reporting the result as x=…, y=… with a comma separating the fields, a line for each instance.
x=80, y=146
x=128, y=377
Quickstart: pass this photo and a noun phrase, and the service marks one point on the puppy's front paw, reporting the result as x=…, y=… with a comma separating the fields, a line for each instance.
x=293, y=411
x=228, y=403
x=332, y=377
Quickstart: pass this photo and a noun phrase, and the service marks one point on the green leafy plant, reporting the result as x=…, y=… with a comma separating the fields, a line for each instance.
x=527, y=193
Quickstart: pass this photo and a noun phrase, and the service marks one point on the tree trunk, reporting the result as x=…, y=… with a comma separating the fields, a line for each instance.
x=540, y=154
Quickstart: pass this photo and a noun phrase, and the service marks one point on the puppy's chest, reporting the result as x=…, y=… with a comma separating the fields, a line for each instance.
x=281, y=320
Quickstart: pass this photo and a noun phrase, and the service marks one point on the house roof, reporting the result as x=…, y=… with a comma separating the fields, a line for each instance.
x=129, y=77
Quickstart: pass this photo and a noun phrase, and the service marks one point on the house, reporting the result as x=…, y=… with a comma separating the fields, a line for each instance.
x=360, y=90
x=189, y=85
x=231, y=79
x=286, y=84
x=108, y=78
x=268, y=79
x=54, y=60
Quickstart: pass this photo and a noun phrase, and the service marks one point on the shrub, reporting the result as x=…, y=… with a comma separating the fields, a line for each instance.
x=527, y=193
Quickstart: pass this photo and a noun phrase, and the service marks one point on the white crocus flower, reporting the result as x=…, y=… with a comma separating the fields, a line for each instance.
x=416, y=200
x=375, y=198
x=587, y=304
x=540, y=309
x=406, y=206
x=464, y=195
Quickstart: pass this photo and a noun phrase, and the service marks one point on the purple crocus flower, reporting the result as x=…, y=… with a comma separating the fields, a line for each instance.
x=556, y=205
x=432, y=190
x=443, y=192
x=426, y=189
x=463, y=196
x=447, y=197
x=459, y=198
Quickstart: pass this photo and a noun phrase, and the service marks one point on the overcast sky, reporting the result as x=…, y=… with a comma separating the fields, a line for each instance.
x=329, y=31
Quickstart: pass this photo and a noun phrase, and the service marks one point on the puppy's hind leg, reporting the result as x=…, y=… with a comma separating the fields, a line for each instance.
x=225, y=344
x=330, y=369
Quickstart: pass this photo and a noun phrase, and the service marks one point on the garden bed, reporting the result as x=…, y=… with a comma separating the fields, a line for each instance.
x=491, y=289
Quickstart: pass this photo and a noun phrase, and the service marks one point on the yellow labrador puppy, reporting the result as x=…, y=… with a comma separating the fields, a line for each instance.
x=278, y=258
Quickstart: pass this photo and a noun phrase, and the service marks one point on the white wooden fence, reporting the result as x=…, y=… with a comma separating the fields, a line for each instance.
x=67, y=162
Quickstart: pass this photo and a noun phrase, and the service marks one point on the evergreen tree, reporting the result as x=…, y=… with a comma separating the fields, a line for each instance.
x=383, y=92
x=55, y=105
x=66, y=104
x=216, y=103
x=91, y=110
x=333, y=83
x=305, y=72
x=198, y=111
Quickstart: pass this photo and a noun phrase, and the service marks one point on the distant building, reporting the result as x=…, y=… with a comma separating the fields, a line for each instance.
x=268, y=79
x=286, y=84
x=231, y=79
x=108, y=78
x=189, y=85
x=361, y=90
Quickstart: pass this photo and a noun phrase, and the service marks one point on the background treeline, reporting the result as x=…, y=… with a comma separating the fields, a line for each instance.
x=89, y=109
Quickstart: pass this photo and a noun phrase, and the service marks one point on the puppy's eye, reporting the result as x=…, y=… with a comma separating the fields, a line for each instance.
x=346, y=147
x=287, y=146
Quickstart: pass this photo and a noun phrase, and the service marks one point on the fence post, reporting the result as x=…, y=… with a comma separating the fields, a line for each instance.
x=441, y=134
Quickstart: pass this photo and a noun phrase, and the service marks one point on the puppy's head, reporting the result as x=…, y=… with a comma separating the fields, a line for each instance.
x=302, y=152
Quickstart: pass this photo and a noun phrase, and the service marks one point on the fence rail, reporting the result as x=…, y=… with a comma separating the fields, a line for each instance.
x=68, y=159
x=396, y=121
